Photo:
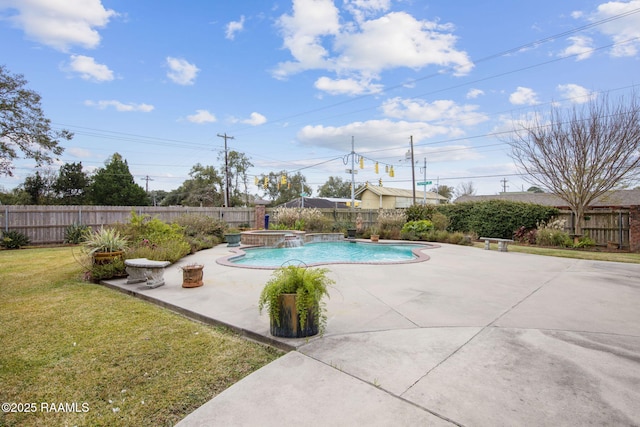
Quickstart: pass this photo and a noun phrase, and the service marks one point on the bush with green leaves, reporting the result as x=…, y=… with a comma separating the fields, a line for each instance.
x=201, y=231
x=495, y=218
x=303, y=219
x=440, y=221
x=154, y=239
x=390, y=223
x=109, y=270
x=585, y=242
x=420, y=212
x=13, y=239
x=552, y=234
x=416, y=230
x=75, y=233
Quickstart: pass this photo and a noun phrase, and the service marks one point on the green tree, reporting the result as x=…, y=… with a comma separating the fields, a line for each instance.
x=205, y=188
x=39, y=188
x=72, y=184
x=238, y=164
x=114, y=185
x=23, y=126
x=279, y=192
x=444, y=191
x=335, y=187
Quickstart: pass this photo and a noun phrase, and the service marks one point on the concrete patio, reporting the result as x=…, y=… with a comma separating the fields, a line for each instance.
x=469, y=337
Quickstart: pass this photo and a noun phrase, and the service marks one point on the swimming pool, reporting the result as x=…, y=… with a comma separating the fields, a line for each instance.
x=328, y=253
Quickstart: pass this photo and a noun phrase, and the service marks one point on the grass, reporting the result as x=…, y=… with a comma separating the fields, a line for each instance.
x=593, y=254
x=129, y=362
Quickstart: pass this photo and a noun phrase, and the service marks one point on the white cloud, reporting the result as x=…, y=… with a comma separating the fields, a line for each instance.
x=119, y=106
x=181, y=71
x=348, y=86
x=372, y=134
x=619, y=30
x=89, y=69
x=78, y=152
x=255, y=119
x=60, y=24
x=445, y=112
x=302, y=32
x=360, y=9
x=581, y=46
x=576, y=93
x=474, y=93
x=202, y=116
x=357, y=51
x=233, y=27
x=523, y=96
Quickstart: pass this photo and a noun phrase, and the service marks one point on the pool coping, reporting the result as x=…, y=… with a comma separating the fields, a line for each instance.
x=420, y=256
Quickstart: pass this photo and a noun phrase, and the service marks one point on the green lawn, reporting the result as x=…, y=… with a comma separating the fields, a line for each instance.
x=592, y=254
x=129, y=362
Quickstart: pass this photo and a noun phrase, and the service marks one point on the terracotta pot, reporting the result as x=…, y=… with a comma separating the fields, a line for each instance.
x=192, y=276
x=375, y=237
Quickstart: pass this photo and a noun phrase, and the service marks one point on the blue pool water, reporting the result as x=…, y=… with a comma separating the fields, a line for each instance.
x=329, y=252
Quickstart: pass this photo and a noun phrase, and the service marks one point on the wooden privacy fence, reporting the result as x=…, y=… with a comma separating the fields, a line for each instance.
x=602, y=225
x=47, y=224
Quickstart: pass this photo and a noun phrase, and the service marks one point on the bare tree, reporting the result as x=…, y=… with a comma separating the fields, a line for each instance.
x=581, y=153
x=465, y=189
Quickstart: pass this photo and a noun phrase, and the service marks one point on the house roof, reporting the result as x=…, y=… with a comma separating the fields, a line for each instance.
x=397, y=192
x=614, y=198
x=310, y=202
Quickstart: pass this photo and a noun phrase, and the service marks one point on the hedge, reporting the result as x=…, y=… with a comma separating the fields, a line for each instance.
x=495, y=218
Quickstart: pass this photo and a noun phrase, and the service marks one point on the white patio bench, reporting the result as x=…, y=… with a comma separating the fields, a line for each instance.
x=145, y=270
x=502, y=243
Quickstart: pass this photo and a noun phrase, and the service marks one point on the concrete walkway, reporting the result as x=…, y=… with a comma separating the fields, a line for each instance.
x=469, y=337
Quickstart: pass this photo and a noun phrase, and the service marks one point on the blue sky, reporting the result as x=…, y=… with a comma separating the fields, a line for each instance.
x=294, y=81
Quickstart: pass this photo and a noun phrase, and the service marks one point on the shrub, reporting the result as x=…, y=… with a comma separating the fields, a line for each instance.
x=308, y=219
x=585, y=242
x=390, y=223
x=156, y=240
x=13, y=239
x=440, y=221
x=495, y=218
x=416, y=230
x=525, y=235
x=75, y=233
x=115, y=268
x=552, y=234
x=420, y=212
x=458, y=238
x=201, y=231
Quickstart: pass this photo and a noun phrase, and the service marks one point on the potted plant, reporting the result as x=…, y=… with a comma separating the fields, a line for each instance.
x=232, y=237
x=192, y=275
x=375, y=234
x=105, y=245
x=293, y=298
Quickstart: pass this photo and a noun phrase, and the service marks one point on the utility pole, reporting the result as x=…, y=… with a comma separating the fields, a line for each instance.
x=226, y=169
x=424, y=171
x=504, y=185
x=146, y=178
x=353, y=176
x=413, y=172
